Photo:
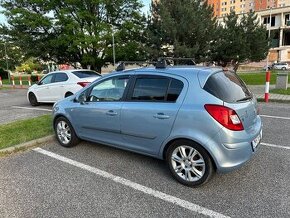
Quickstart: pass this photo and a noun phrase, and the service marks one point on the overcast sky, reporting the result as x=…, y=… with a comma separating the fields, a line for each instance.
x=145, y=9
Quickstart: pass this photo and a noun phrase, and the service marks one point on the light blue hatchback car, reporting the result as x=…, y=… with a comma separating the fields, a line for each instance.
x=199, y=119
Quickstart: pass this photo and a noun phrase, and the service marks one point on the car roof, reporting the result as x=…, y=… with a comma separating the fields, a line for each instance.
x=70, y=71
x=184, y=71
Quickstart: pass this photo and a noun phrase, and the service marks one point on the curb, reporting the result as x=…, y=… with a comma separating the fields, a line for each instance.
x=27, y=145
x=274, y=100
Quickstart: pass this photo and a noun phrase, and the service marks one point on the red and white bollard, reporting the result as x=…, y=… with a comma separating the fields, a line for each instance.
x=1, y=84
x=29, y=80
x=20, y=81
x=13, y=82
x=267, y=86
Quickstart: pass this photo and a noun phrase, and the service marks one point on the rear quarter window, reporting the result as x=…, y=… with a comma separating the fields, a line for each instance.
x=228, y=87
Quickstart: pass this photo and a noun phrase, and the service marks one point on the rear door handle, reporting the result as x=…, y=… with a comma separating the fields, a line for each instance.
x=161, y=116
x=111, y=113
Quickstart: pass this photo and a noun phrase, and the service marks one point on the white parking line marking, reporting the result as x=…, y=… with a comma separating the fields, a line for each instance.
x=275, y=117
x=275, y=146
x=29, y=108
x=157, y=194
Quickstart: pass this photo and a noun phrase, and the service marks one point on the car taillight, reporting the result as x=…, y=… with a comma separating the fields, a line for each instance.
x=225, y=116
x=83, y=84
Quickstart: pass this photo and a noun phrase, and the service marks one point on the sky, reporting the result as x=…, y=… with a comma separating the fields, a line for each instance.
x=145, y=10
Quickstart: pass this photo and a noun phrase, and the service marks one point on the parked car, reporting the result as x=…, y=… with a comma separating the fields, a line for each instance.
x=60, y=84
x=199, y=119
x=280, y=66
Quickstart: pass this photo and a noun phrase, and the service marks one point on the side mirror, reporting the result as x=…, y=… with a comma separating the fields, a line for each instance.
x=82, y=98
x=39, y=83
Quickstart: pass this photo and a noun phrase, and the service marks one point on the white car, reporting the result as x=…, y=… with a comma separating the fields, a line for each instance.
x=60, y=84
x=280, y=66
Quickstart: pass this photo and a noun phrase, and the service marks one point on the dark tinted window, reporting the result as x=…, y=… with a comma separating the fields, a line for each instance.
x=150, y=89
x=84, y=74
x=228, y=87
x=60, y=77
x=174, y=90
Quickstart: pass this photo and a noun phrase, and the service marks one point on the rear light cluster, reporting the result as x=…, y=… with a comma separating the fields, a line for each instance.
x=83, y=84
x=225, y=116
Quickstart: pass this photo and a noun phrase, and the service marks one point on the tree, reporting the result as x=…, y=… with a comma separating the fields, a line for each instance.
x=240, y=40
x=10, y=55
x=72, y=31
x=29, y=65
x=181, y=28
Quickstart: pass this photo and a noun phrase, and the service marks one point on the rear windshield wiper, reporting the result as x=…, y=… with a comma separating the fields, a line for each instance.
x=245, y=98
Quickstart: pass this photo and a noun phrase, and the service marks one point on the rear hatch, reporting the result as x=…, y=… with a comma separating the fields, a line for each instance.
x=228, y=87
x=86, y=75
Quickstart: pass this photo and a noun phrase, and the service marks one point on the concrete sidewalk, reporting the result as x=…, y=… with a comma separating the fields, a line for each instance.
x=259, y=91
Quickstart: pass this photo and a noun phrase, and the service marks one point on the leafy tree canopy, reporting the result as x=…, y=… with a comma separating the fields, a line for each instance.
x=71, y=31
x=241, y=40
x=10, y=55
x=181, y=28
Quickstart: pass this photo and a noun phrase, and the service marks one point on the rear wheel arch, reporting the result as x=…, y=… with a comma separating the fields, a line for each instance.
x=67, y=94
x=168, y=144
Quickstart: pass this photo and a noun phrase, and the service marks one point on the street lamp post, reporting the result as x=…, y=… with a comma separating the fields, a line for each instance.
x=269, y=35
x=6, y=58
x=113, y=40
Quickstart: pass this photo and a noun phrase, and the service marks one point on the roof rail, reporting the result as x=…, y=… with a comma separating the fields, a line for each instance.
x=122, y=64
x=164, y=61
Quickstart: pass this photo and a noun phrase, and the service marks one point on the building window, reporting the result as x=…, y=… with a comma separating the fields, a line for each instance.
x=224, y=3
x=267, y=20
x=232, y=1
x=224, y=9
x=232, y=8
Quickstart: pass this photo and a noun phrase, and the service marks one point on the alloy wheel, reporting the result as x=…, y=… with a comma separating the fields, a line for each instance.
x=188, y=163
x=63, y=132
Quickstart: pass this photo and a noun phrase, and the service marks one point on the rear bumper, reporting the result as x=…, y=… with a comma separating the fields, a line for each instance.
x=236, y=149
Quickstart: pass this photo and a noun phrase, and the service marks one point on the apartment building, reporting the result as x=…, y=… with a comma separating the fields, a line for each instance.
x=223, y=7
x=277, y=21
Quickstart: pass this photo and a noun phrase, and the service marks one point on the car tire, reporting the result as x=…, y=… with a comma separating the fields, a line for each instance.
x=283, y=68
x=65, y=133
x=32, y=99
x=189, y=163
x=68, y=94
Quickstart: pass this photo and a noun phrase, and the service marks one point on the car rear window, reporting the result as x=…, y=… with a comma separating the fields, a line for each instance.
x=85, y=74
x=228, y=87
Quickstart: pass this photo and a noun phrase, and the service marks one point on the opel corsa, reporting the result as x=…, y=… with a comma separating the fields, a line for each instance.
x=199, y=119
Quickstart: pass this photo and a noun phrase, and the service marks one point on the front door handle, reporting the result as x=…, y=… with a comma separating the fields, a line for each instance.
x=161, y=116
x=111, y=113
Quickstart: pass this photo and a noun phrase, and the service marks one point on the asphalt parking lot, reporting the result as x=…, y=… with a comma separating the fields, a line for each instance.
x=93, y=180
x=15, y=106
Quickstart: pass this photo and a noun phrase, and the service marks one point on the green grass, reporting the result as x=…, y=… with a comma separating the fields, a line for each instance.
x=25, y=130
x=259, y=78
x=281, y=91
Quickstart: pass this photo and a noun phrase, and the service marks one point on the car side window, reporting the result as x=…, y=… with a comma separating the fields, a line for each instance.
x=154, y=88
x=111, y=89
x=47, y=79
x=174, y=90
x=60, y=77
